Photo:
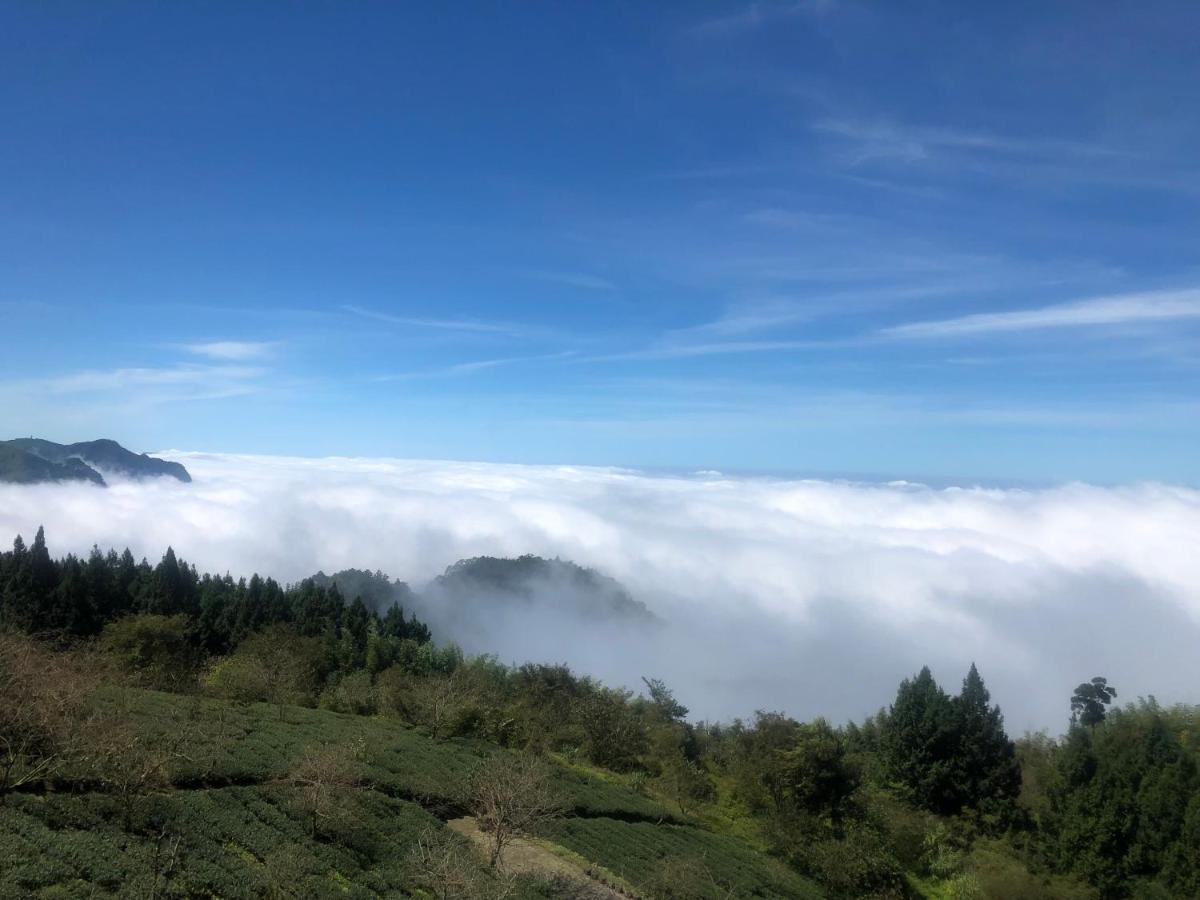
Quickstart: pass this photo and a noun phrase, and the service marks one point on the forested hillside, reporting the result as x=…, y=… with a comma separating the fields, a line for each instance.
x=167, y=733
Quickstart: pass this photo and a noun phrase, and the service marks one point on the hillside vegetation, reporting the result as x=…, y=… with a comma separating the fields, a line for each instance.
x=171, y=734
x=227, y=814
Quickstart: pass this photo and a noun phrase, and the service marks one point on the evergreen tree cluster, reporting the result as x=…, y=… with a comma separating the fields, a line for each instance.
x=76, y=598
x=947, y=754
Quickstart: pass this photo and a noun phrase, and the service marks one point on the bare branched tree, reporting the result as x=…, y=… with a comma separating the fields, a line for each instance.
x=165, y=861
x=512, y=795
x=326, y=778
x=444, y=864
x=275, y=665
x=41, y=700
x=681, y=878
x=434, y=701
x=128, y=761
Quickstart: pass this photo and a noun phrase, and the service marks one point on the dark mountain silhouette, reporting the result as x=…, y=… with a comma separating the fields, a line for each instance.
x=18, y=466
x=31, y=460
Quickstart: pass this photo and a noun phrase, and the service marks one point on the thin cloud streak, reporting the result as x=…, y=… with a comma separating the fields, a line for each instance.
x=909, y=143
x=471, y=367
x=448, y=324
x=129, y=378
x=581, y=280
x=236, y=351
x=758, y=15
x=1125, y=309
x=721, y=348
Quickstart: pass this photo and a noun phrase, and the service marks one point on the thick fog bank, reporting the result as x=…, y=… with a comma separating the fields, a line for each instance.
x=808, y=596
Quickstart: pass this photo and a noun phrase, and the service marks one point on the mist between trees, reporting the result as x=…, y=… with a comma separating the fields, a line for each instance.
x=919, y=793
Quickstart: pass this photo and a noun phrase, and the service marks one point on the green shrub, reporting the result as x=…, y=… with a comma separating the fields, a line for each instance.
x=353, y=694
x=859, y=866
x=155, y=651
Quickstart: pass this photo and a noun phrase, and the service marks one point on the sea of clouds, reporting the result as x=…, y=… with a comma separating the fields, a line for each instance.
x=813, y=597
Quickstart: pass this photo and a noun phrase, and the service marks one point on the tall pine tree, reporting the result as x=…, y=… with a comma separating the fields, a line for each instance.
x=919, y=744
x=987, y=772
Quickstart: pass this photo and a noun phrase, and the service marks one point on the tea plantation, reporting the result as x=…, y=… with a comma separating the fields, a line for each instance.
x=224, y=821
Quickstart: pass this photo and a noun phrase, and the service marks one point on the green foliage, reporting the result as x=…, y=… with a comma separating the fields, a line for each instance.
x=79, y=598
x=995, y=869
x=987, y=775
x=226, y=842
x=613, y=737
x=685, y=781
x=224, y=794
x=948, y=754
x=353, y=693
x=757, y=762
x=920, y=743
x=818, y=777
x=1124, y=807
x=662, y=699
x=154, y=650
x=857, y=866
x=1089, y=701
x=255, y=836
x=277, y=665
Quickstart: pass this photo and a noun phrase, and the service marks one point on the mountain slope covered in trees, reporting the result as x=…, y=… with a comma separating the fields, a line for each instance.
x=476, y=583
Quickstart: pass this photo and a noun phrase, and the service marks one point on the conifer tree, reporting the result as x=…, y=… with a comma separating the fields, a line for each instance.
x=987, y=770
x=167, y=598
x=16, y=593
x=920, y=742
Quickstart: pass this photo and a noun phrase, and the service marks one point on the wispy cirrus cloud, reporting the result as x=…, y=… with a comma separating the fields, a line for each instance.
x=474, y=325
x=710, y=348
x=206, y=380
x=471, y=367
x=583, y=280
x=1125, y=309
x=234, y=351
x=885, y=139
x=798, y=219
x=747, y=318
x=754, y=16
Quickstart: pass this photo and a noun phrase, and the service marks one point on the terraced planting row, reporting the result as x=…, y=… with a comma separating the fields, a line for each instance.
x=683, y=858
x=246, y=744
x=230, y=842
x=236, y=828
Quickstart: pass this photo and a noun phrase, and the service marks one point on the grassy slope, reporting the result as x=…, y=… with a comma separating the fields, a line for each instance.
x=239, y=833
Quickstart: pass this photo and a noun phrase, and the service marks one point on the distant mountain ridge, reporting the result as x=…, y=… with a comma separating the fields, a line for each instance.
x=471, y=587
x=33, y=460
x=532, y=579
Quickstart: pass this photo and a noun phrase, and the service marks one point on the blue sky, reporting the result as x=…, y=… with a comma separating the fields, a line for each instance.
x=953, y=241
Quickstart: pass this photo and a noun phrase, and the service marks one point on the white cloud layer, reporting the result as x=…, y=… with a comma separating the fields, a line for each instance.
x=810, y=596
